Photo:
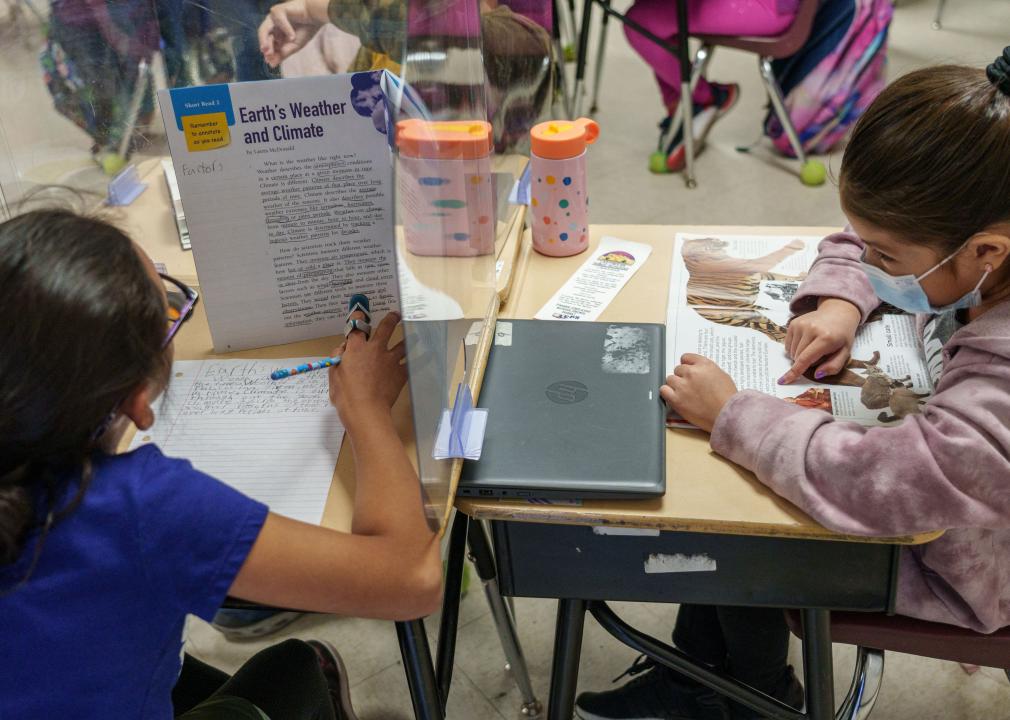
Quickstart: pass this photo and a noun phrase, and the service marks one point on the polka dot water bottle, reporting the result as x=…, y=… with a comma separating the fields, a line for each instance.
x=559, y=195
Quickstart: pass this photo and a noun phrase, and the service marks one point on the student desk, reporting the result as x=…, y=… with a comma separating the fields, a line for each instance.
x=150, y=221
x=718, y=536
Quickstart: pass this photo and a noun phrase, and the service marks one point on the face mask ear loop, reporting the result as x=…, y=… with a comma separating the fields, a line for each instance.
x=985, y=274
x=946, y=259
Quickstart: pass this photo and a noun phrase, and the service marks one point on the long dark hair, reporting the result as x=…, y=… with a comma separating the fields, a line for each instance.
x=930, y=158
x=82, y=326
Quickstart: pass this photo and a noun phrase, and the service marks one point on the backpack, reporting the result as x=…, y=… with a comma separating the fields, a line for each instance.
x=835, y=76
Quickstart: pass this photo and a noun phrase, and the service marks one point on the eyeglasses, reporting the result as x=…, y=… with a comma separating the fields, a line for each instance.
x=181, y=301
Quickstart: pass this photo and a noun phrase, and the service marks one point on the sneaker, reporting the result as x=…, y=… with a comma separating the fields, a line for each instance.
x=241, y=624
x=333, y=669
x=704, y=117
x=789, y=691
x=657, y=693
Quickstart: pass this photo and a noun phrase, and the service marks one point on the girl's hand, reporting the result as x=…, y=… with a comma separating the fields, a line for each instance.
x=825, y=334
x=697, y=390
x=288, y=27
x=370, y=375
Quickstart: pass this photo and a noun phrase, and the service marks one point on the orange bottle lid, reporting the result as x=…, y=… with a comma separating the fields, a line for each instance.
x=562, y=139
x=444, y=140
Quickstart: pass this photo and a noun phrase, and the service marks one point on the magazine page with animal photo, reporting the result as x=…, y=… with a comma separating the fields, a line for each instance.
x=729, y=301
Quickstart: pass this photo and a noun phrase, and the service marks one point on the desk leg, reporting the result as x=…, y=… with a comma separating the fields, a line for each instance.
x=567, y=650
x=818, y=672
x=449, y=622
x=420, y=673
x=504, y=619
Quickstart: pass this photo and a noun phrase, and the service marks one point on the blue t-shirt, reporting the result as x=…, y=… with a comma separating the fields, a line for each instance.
x=97, y=630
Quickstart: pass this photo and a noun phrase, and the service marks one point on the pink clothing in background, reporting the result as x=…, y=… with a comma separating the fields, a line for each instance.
x=710, y=17
x=330, y=51
x=947, y=468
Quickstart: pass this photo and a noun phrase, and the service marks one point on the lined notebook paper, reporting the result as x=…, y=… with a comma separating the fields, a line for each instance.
x=275, y=441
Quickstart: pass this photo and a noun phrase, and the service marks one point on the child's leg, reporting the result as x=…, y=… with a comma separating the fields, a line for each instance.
x=710, y=17
x=285, y=682
x=698, y=632
x=757, y=646
x=197, y=682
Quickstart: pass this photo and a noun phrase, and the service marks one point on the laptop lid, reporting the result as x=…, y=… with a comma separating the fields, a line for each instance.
x=573, y=412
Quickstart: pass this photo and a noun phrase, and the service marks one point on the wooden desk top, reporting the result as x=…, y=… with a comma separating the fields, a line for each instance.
x=150, y=221
x=704, y=492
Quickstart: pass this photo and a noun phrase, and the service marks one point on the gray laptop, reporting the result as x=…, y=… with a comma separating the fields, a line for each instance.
x=573, y=412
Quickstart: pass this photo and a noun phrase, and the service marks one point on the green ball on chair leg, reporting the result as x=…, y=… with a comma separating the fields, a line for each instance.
x=813, y=173
x=112, y=163
x=657, y=163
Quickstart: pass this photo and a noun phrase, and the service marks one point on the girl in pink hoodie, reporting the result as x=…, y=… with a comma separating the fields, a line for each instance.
x=925, y=185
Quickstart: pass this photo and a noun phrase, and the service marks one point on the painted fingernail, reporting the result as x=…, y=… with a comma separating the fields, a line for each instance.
x=819, y=374
x=782, y=380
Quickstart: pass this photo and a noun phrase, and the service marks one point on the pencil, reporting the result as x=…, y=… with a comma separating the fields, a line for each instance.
x=307, y=367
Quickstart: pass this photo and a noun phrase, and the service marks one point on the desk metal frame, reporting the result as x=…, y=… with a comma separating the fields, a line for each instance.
x=429, y=685
x=584, y=570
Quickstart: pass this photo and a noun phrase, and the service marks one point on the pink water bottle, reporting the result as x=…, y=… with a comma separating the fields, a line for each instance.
x=559, y=195
x=445, y=185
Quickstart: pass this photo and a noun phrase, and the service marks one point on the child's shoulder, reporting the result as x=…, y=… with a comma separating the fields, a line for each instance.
x=143, y=461
x=145, y=473
x=146, y=477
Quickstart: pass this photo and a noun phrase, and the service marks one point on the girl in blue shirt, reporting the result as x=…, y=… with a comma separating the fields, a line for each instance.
x=102, y=556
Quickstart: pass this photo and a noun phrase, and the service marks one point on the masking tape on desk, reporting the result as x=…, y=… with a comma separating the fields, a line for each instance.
x=659, y=563
x=502, y=333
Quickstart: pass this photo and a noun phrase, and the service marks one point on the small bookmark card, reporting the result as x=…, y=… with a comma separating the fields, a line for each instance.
x=588, y=292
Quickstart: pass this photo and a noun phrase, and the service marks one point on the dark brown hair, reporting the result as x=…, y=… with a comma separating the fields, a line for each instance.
x=930, y=158
x=82, y=326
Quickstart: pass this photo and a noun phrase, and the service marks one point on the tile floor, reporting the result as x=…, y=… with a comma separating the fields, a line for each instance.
x=733, y=189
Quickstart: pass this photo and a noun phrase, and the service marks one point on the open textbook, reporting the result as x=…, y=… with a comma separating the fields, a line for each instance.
x=729, y=301
x=287, y=189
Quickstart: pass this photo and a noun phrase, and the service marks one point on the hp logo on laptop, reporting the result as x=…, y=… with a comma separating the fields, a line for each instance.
x=567, y=392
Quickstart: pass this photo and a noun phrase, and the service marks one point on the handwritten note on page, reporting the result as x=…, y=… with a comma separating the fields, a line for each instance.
x=277, y=442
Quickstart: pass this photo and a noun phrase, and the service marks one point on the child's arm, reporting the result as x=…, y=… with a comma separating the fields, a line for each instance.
x=940, y=469
x=836, y=273
x=389, y=565
x=832, y=302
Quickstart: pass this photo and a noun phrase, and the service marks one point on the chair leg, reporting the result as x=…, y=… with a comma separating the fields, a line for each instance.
x=939, y=15
x=580, y=57
x=775, y=96
x=698, y=68
x=563, y=32
x=600, y=50
x=866, y=681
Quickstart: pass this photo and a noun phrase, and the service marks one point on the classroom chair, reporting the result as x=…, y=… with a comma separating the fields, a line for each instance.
x=765, y=48
x=875, y=633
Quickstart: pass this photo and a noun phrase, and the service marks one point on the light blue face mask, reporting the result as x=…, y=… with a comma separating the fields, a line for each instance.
x=905, y=291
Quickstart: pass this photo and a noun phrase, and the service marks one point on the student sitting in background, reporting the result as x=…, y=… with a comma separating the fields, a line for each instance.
x=516, y=53
x=713, y=17
x=102, y=555
x=925, y=185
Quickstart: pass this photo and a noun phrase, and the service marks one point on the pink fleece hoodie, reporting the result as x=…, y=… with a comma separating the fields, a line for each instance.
x=946, y=468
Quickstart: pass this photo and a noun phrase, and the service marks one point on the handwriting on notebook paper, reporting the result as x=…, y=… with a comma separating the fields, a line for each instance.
x=275, y=441
x=242, y=388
